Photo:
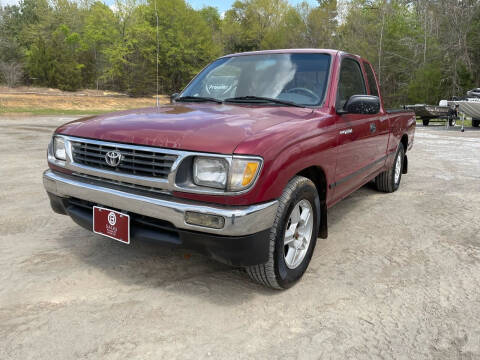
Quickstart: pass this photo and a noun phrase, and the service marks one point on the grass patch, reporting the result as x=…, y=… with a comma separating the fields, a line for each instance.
x=468, y=122
x=459, y=123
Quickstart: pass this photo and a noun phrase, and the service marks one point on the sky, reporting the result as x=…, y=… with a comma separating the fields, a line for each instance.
x=221, y=5
x=224, y=5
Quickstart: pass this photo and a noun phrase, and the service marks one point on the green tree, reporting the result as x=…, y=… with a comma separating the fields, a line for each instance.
x=473, y=46
x=100, y=32
x=388, y=35
x=52, y=62
x=254, y=24
x=427, y=85
x=422, y=50
x=322, y=24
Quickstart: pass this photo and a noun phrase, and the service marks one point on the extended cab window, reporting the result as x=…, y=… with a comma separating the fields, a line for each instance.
x=372, y=84
x=300, y=78
x=350, y=82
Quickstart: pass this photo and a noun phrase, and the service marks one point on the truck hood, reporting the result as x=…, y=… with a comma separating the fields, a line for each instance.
x=205, y=127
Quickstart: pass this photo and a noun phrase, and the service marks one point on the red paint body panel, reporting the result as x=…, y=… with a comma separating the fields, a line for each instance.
x=207, y=127
x=289, y=139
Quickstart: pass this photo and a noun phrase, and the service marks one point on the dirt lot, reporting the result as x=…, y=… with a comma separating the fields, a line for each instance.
x=398, y=277
x=26, y=99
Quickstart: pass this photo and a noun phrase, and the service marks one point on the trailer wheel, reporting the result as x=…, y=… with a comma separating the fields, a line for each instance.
x=425, y=122
x=475, y=122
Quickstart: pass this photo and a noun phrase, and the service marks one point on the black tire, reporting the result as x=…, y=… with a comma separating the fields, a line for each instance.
x=452, y=121
x=475, y=122
x=425, y=122
x=275, y=273
x=386, y=180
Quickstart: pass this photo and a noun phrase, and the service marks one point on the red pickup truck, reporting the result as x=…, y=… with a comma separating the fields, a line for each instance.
x=241, y=166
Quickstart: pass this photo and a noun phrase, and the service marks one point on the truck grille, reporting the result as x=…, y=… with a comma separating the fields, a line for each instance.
x=134, y=162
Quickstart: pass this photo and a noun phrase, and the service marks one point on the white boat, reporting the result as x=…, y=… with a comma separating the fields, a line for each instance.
x=469, y=107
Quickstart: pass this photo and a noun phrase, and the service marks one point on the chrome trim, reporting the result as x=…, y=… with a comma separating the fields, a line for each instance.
x=51, y=157
x=168, y=184
x=239, y=220
x=104, y=181
x=194, y=188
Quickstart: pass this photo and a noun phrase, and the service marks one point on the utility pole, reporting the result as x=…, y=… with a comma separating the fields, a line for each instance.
x=381, y=45
x=156, y=39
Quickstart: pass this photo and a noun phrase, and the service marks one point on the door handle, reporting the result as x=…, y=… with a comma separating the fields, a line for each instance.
x=373, y=127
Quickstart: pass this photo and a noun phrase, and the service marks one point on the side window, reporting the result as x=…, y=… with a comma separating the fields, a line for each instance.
x=350, y=82
x=372, y=84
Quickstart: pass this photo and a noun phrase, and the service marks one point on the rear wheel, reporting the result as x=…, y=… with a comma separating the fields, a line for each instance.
x=425, y=122
x=475, y=122
x=389, y=181
x=452, y=121
x=293, y=236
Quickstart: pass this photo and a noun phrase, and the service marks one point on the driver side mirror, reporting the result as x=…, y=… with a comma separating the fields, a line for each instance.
x=361, y=104
x=173, y=97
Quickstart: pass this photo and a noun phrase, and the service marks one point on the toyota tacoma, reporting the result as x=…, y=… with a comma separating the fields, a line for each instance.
x=242, y=166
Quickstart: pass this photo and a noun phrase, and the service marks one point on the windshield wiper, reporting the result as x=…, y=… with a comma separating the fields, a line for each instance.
x=249, y=98
x=198, y=98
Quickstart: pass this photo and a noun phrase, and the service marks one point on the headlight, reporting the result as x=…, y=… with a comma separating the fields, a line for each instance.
x=231, y=175
x=211, y=172
x=59, y=148
x=242, y=173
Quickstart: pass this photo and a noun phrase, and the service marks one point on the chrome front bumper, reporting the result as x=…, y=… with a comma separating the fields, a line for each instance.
x=239, y=220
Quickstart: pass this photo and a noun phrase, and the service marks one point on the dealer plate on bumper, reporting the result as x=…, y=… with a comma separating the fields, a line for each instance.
x=112, y=224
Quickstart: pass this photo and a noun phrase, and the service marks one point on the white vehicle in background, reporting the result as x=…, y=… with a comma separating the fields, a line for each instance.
x=474, y=93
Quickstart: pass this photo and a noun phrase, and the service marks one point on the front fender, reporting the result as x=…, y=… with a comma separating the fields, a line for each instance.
x=317, y=151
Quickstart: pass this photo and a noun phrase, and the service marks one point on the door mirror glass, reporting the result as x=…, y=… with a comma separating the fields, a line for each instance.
x=173, y=97
x=362, y=104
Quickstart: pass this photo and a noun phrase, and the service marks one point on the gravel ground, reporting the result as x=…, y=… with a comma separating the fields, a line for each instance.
x=398, y=277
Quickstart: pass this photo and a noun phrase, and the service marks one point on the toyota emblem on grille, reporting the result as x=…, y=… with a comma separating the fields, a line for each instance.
x=113, y=158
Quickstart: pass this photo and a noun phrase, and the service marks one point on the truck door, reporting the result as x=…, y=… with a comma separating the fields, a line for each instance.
x=357, y=147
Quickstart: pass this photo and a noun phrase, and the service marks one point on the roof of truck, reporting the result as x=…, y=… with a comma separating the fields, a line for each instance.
x=286, y=51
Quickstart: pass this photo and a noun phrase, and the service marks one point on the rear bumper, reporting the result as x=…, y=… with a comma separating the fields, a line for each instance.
x=242, y=241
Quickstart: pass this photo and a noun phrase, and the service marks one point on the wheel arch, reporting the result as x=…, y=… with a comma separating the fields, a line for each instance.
x=317, y=175
x=404, y=141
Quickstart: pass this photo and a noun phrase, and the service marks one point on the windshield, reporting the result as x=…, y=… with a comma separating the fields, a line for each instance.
x=298, y=78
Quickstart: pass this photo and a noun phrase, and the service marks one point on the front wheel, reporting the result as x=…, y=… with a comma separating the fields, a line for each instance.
x=452, y=121
x=293, y=236
x=389, y=181
x=475, y=122
x=425, y=122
